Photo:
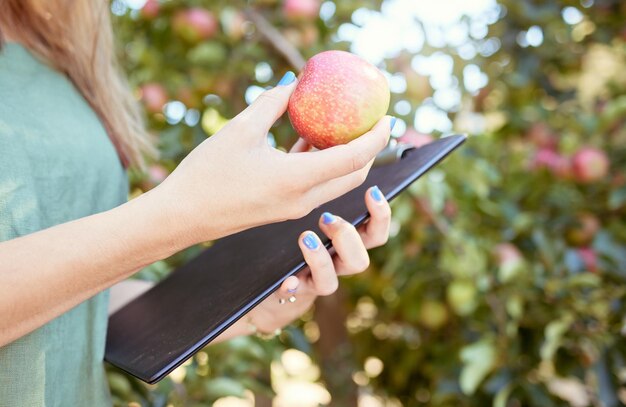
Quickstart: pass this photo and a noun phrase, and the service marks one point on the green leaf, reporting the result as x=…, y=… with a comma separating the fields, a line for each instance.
x=515, y=306
x=479, y=360
x=502, y=396
x=617, y=198
x=509, y=270
x=224, y=386
x=119, y=383
x=554, y=332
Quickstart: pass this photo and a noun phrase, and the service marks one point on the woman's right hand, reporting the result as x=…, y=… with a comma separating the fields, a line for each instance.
x=235, y=180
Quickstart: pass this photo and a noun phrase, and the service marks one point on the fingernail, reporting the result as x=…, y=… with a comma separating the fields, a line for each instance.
x=328, y=218
x=377, y=194
x=310, y=241
x=293, y=286
x=393, y=122
x=288, y=78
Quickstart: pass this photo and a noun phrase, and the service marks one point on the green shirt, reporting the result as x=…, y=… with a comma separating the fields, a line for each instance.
x=56, y=164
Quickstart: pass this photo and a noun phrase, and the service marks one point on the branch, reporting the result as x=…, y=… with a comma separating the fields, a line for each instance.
x=276, y=39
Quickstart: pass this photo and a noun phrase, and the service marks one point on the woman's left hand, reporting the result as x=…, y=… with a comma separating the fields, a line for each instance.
x=277, y=310
x=351, y=257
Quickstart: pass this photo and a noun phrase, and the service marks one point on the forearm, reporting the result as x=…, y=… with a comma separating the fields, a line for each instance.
x=44, y=274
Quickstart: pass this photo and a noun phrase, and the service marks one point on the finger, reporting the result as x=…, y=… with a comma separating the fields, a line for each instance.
x=334, y=188
x=334, y=162
x=290, y=285
x=270, y=105
x=321, y=264
x=351, y=255
x=300, y=146
x=376, y=231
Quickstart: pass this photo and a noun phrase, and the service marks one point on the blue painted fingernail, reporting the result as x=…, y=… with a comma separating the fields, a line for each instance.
x=310, y=241
x=292, y=290
x=288, y=78
x=328, y=218
x=393, y=122
x=377, y=194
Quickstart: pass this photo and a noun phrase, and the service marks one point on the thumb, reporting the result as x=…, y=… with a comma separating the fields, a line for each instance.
x=271, y=104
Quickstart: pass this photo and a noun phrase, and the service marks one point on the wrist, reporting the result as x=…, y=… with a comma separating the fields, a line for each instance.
x=253, y=329
x=239, y=328
x=157, y=225
x=187, y=222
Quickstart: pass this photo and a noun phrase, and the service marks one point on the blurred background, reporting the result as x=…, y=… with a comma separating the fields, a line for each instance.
x=504, y=280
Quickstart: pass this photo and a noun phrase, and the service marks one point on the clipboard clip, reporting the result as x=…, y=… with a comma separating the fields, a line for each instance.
x=392, y=153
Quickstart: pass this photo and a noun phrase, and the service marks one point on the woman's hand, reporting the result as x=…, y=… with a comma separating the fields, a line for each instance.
x=321, y=277
x=232, y=181
x=242, y=182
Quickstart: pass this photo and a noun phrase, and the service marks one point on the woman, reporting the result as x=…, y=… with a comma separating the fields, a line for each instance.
x=68, y=129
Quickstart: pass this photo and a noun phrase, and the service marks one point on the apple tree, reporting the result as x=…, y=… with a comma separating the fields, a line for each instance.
x=504, y=280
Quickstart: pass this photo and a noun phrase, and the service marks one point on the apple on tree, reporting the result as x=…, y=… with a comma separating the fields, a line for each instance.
x=150, y=10
x=590, y=164
x=195, y=24
x=153, y=96
x=542, y=136
x=589, y=258
x=301, y=9
x=558, y=164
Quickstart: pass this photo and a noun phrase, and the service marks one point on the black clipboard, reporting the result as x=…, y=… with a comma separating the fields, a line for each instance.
x=165, y=326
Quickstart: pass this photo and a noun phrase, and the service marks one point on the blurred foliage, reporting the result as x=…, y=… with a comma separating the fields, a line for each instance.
x=504, y=280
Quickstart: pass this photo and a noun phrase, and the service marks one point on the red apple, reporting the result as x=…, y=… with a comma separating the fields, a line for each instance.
x=233, y=23
x=542, y=136
x=195, y=24
x=150, y=10
x=556, y=163
x=415, y=138
x=339, y=97
x=589, y=258
x=590, y=164
x=154, y=97
x=507, y=253
x=301, y=9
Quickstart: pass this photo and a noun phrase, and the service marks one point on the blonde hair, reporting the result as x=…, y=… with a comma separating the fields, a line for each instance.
x=75, y=37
